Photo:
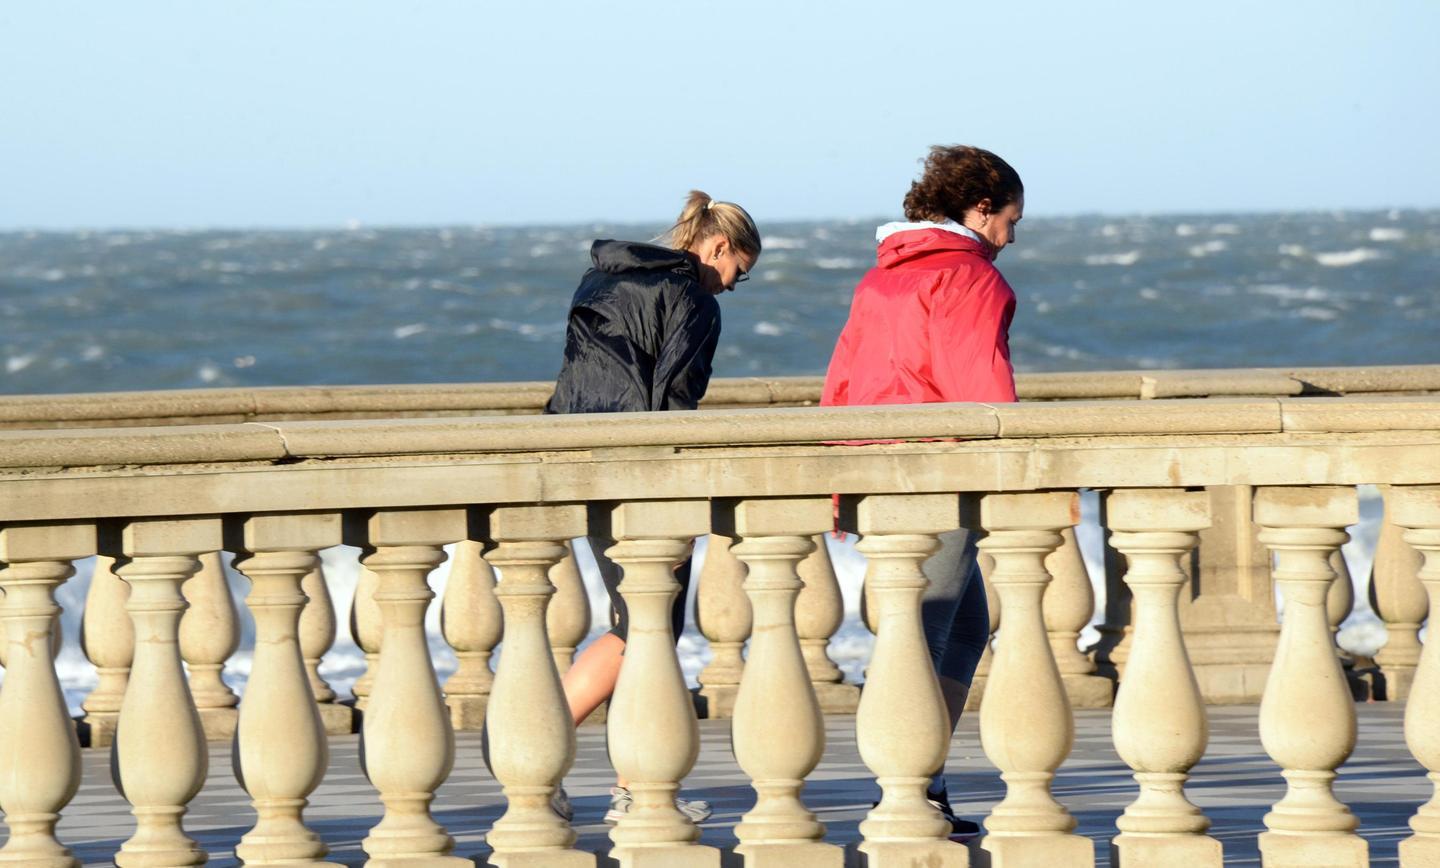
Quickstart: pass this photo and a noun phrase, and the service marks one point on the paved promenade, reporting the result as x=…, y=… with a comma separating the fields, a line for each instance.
x=1235, y=784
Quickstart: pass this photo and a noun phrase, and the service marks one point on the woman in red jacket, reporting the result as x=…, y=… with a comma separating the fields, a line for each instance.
x=930, y=323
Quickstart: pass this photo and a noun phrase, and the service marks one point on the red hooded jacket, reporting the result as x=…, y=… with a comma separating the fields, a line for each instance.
x=929, y=323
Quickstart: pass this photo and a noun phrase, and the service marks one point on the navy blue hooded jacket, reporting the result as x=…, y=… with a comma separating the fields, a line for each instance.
x=642, y=333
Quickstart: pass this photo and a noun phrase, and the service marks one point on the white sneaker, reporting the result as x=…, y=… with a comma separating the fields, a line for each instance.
x=697, y=810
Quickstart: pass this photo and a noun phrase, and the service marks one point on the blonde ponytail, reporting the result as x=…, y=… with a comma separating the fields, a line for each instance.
x=703, y=217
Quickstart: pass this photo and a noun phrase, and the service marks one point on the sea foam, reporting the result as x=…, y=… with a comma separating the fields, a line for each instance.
x=1345, y=258
x=1129, y=257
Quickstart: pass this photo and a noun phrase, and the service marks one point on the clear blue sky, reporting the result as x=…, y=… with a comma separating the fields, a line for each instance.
x=306, y=113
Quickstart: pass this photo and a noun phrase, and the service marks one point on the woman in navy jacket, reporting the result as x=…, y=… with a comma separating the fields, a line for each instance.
x=644, y=324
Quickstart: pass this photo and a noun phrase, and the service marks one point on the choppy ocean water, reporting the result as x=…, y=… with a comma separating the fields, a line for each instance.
x=121, y=310
x=99, y=311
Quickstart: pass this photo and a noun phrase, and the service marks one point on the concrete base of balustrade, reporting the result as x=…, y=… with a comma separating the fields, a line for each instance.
x=1165, y=851
x=1393, y=683
x=1025, y=851
x=838, y=698
x=812, y=855
x=977, y=693
x=219, y=723
x=541, y=859
x=337, y=719
x=601, y=712
x=715, y=702
x=1417, y=852
x=677, y=856
x=1285, y=850
x=1089, y=691
x=467, y=713
x=97, y=729
x=1232, y=683
x=930, y=854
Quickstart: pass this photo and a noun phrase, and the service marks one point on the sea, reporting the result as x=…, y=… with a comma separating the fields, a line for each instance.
x=115, y=310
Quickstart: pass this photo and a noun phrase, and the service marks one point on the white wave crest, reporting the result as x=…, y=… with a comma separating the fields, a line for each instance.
x=1292, y=250
x=1209, y=247
x=835, y=263
x=1345, y=258
x=1290, y=293
x=1129, y=257
x=780, y=242
x=1185, y=230
x=16, y=364
x=1323, y=314
x=409, y=330
x=1387, y=233
x=770, y=329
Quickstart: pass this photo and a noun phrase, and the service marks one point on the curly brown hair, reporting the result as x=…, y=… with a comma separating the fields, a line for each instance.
x=956, y=179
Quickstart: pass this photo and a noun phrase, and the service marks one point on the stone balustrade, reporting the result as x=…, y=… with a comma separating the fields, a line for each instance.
x=511, y=492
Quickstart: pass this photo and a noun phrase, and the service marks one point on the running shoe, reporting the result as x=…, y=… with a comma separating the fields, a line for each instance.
x=696, y=809
x=960, y=830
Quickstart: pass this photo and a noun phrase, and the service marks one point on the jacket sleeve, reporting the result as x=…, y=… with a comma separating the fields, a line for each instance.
x=682, y=370
x=970, y=340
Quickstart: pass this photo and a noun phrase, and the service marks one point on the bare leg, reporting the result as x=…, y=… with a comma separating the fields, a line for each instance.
x=591, y=678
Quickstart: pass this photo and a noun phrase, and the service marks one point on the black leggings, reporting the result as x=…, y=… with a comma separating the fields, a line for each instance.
x=611, y=573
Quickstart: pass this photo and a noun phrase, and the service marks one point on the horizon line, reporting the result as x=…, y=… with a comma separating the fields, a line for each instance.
x=356, y=225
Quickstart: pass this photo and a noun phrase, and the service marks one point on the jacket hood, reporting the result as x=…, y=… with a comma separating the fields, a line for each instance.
x=901, y=242
x=615, y=257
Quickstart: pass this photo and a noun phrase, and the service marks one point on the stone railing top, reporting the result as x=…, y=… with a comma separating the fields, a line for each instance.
x=222, y=406
x=31, y=450
x=48, y=475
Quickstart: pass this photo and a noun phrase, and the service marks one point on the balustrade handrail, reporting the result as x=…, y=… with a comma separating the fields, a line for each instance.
x=211, y=406
x=256, y=467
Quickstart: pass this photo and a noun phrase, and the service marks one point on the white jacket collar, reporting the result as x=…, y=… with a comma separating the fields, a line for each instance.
x=889, y=229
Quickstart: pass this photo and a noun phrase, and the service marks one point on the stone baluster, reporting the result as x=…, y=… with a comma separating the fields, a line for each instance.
x=778, y=734
x=409, y=747
x=365, y=629
x=1026, y=726
x=281, y=748
x=471, y=620
x=159, y=758
x=1159, y=721
x=317, y=634
x=722, y=612
x=57, y=635
x=209, y=634
x=992, y=605
x=902, y=730
x=108, y=637
x=651, y=730
x=819, y=611
x=1228, y=610
x=1068, y=606
x=531, y=742
x=1416, y=510
x=567, y=618
x=1398, y=597
x=1307, y=717
x=39, y=754
x=1339, y=601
